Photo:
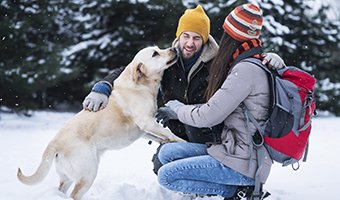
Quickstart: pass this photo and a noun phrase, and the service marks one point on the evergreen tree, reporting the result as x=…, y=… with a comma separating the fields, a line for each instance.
x=111, y=32
x=54, y=51
x=217, y=10
x=30, y=44
x=307, y=39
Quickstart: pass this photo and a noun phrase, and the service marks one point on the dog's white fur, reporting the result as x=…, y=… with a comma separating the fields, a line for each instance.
x=128, y=116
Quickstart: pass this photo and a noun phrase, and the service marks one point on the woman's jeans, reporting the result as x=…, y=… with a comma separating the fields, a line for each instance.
x=188, y=168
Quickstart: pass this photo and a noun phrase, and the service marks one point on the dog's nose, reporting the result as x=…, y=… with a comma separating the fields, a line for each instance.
x=173, y=50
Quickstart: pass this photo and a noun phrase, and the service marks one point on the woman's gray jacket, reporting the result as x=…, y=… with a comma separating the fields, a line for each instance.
x=247, y=84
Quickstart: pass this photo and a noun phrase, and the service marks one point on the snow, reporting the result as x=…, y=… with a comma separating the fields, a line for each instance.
x=127, y=174
x=275, y=27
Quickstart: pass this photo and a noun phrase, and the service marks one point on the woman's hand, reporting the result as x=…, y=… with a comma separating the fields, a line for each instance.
x=174, y=105
x=273, y=61
x=169, y=112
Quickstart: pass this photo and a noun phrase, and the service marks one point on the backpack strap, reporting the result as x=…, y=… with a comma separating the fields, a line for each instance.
x=271, y=74
x=257, y=193
x=308, y=103
x=260, y=151
x=258, y=140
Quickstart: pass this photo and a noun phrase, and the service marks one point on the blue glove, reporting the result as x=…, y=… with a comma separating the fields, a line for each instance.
x=98, y=98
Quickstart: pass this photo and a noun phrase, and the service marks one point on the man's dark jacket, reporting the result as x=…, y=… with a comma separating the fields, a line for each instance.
x=190, y=89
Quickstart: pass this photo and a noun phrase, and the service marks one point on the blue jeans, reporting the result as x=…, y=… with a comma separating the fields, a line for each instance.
x=188, y=168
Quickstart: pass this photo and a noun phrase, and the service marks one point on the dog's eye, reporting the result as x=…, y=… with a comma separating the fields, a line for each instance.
x=155, y=53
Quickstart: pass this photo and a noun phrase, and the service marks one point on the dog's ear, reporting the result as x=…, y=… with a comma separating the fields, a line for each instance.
x=139, y=72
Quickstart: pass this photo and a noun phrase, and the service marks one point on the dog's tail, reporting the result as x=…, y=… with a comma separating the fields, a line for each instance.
x=43, y=169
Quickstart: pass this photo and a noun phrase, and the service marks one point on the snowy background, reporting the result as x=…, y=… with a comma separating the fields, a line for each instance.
x=127, y=174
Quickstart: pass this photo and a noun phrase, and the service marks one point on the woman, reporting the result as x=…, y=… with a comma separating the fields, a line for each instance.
x=221, y=168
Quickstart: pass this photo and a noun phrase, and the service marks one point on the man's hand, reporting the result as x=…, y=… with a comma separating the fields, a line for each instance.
x=273, y=61
x=98, y=98
x=95, y=101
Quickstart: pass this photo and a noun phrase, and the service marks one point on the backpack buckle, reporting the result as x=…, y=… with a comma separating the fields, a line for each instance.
x=241, y=194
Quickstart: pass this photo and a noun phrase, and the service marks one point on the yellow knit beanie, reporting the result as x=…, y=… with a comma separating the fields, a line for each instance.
x=194, y=20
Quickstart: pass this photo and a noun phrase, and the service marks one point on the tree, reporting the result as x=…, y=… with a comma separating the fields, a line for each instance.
x=307, y=39
x=111, y=32
x=53, y=52
x=30, y=45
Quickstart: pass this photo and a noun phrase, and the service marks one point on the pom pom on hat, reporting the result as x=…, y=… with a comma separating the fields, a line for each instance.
x=244, y=22
x=194, y=20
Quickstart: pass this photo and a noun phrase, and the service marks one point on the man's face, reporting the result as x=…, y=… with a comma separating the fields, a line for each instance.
x=190, y=43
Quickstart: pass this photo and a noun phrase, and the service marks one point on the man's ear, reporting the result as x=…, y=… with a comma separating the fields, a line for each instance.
x=139, y=72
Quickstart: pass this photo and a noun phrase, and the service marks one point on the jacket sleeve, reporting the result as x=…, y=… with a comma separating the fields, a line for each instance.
x=113, y=76
x=233, y=91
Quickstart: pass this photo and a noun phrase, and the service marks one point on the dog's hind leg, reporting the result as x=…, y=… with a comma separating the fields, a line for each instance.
x=62, y=167
x=64, y=184
x=84, y=167
x=82, y=186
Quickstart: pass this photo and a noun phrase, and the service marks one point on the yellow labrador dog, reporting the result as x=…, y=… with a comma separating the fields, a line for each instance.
x=128, y=116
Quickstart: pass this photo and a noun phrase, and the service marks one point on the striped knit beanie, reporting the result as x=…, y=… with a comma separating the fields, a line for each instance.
x=194, y=20
x=244, y=22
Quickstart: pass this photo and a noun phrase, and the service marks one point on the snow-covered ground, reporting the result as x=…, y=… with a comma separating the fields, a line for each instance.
x=127, y=174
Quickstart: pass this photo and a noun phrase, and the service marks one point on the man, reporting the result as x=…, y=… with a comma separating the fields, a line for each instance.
x=185, y=81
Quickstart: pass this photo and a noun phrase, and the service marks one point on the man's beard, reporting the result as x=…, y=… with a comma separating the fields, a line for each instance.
x=190, y=56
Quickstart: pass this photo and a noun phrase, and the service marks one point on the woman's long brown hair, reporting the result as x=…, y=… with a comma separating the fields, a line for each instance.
x=221, y=64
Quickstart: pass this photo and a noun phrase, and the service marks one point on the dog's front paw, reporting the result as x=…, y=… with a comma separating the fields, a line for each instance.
x=176, y=139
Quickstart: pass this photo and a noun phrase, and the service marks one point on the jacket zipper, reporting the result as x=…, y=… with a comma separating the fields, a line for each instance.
x=186, y=89
x=189, y=80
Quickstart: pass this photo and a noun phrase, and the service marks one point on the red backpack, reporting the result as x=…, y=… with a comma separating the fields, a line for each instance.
x=285, y=133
